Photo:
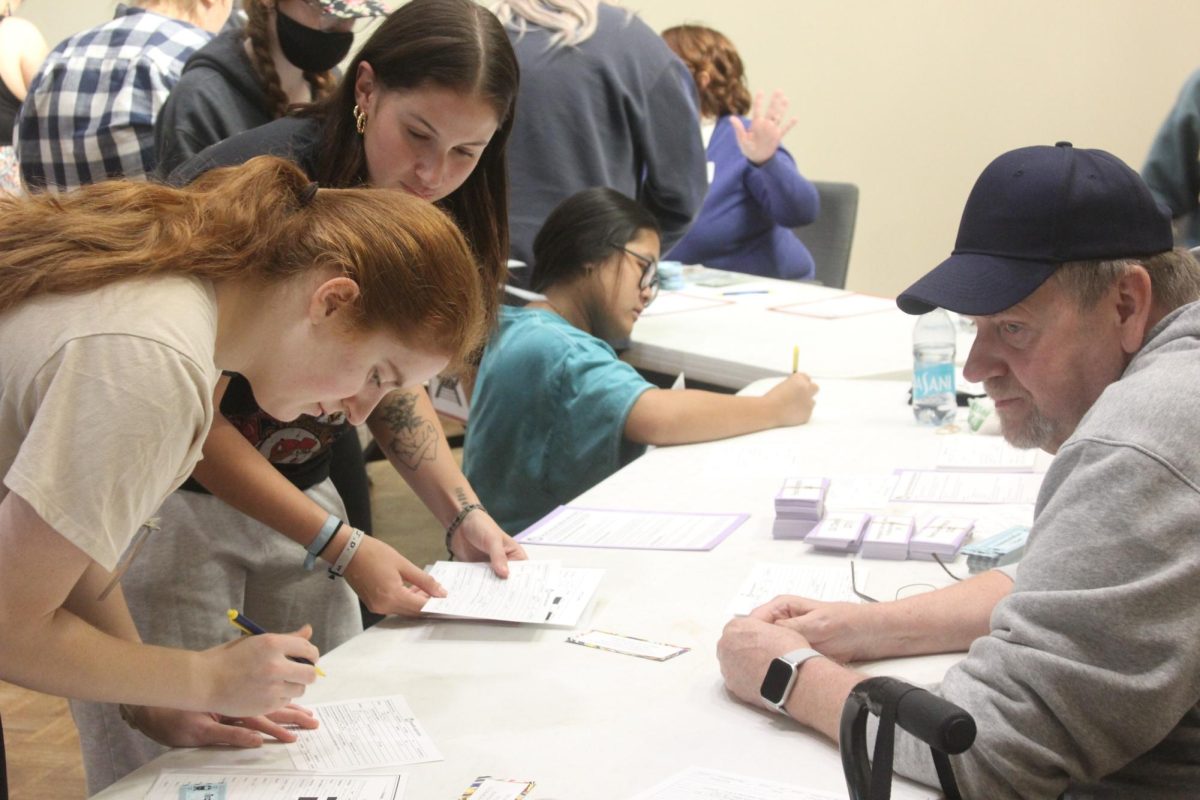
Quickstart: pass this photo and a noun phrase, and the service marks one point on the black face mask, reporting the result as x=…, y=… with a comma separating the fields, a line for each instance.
x=310, y=49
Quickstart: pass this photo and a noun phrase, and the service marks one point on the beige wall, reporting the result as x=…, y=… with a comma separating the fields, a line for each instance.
x=911, y=99
x=58, y=19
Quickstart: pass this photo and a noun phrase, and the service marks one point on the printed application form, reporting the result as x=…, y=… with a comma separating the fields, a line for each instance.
x=767, y=581
x=363, y=734
x=840, y=307
x=1000, y=488
x=640, y=530
x=542, y=592
x=697, y=783
x=990, y=453
x=675, y=302
x=174, y=784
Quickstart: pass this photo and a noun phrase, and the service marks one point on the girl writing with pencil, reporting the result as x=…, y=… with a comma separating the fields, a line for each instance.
x=120, y=305
x=425, y=108
x=584, y=413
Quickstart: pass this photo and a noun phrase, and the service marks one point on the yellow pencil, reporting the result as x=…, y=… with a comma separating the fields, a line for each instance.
x=795, y=358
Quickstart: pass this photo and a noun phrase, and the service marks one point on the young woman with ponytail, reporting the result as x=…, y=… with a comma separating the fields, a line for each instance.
x=426, y=107
x=120, y=305
x=284, y=56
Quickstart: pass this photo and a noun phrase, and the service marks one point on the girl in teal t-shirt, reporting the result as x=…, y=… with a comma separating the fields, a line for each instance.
x=554, y=411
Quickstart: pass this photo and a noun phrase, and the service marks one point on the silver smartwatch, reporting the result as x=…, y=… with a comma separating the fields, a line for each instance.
x=781, y=678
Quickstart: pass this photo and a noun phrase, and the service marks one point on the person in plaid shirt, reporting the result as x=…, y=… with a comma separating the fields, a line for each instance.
x=90, y=111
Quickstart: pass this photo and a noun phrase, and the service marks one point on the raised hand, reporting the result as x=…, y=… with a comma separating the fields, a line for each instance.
x=767, y=128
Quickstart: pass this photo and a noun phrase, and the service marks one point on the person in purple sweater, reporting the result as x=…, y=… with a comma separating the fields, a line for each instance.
x=756, y=193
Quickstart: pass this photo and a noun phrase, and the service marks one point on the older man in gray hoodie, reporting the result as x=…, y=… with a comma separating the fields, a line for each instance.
x=1084, y=666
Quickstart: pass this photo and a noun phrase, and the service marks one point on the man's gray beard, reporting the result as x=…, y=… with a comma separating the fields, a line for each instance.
x=1036, y=433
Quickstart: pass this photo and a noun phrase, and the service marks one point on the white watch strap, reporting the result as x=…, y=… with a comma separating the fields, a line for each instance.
x=799, y=656
x=343, y=560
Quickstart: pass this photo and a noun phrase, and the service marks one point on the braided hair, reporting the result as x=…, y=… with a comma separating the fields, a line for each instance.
x=258, y=30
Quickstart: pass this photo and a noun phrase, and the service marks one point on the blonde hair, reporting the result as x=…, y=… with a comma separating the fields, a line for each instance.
x=706, y=50
x=570, y=21
x=258, y=31
x=262, y=221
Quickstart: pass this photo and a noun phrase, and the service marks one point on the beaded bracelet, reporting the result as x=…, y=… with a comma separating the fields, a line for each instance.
x=458, y=520
x=318, y=544
x=339, y=567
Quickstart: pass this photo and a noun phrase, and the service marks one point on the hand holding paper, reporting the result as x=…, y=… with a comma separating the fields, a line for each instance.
x=540, y=592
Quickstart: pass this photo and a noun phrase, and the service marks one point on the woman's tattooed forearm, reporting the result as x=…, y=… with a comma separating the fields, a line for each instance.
x=410, y=438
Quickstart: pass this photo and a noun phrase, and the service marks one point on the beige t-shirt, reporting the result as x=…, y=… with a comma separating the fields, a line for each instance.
x=105, y=401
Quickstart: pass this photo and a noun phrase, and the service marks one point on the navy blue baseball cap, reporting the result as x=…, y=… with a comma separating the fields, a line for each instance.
x=1031, y=211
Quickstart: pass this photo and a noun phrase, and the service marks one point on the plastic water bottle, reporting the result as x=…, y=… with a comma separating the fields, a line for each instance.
x=934, y=401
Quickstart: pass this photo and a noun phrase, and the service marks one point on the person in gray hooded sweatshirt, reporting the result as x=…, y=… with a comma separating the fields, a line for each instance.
x=285, y=55
x=1083, y=673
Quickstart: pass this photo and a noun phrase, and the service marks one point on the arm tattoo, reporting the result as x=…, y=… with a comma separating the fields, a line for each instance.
x=411, y=438
x=461, y=496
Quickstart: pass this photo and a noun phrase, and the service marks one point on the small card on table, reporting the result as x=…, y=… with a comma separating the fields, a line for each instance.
x=628, y=645
x=486, y=787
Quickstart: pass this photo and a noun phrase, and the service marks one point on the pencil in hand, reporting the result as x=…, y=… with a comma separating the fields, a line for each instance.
x=251, y=628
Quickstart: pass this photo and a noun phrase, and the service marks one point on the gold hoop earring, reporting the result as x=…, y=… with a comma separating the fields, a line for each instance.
x=360, y=119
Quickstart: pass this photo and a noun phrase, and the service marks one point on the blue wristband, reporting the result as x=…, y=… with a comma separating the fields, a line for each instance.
x=318, y=544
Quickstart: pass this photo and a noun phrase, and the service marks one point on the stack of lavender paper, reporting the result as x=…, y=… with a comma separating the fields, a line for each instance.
x=799, y=506
x=842, y=531
x=941, y=535
x=887, y=536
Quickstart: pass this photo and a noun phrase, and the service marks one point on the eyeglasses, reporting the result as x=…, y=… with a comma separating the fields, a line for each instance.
x=649, y=271
x=854, y=587
x=945, y=569
x=869, y=599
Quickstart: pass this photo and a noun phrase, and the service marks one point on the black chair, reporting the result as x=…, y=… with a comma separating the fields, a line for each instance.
x=516, y=296
x=829, y=238
x=946, y=728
